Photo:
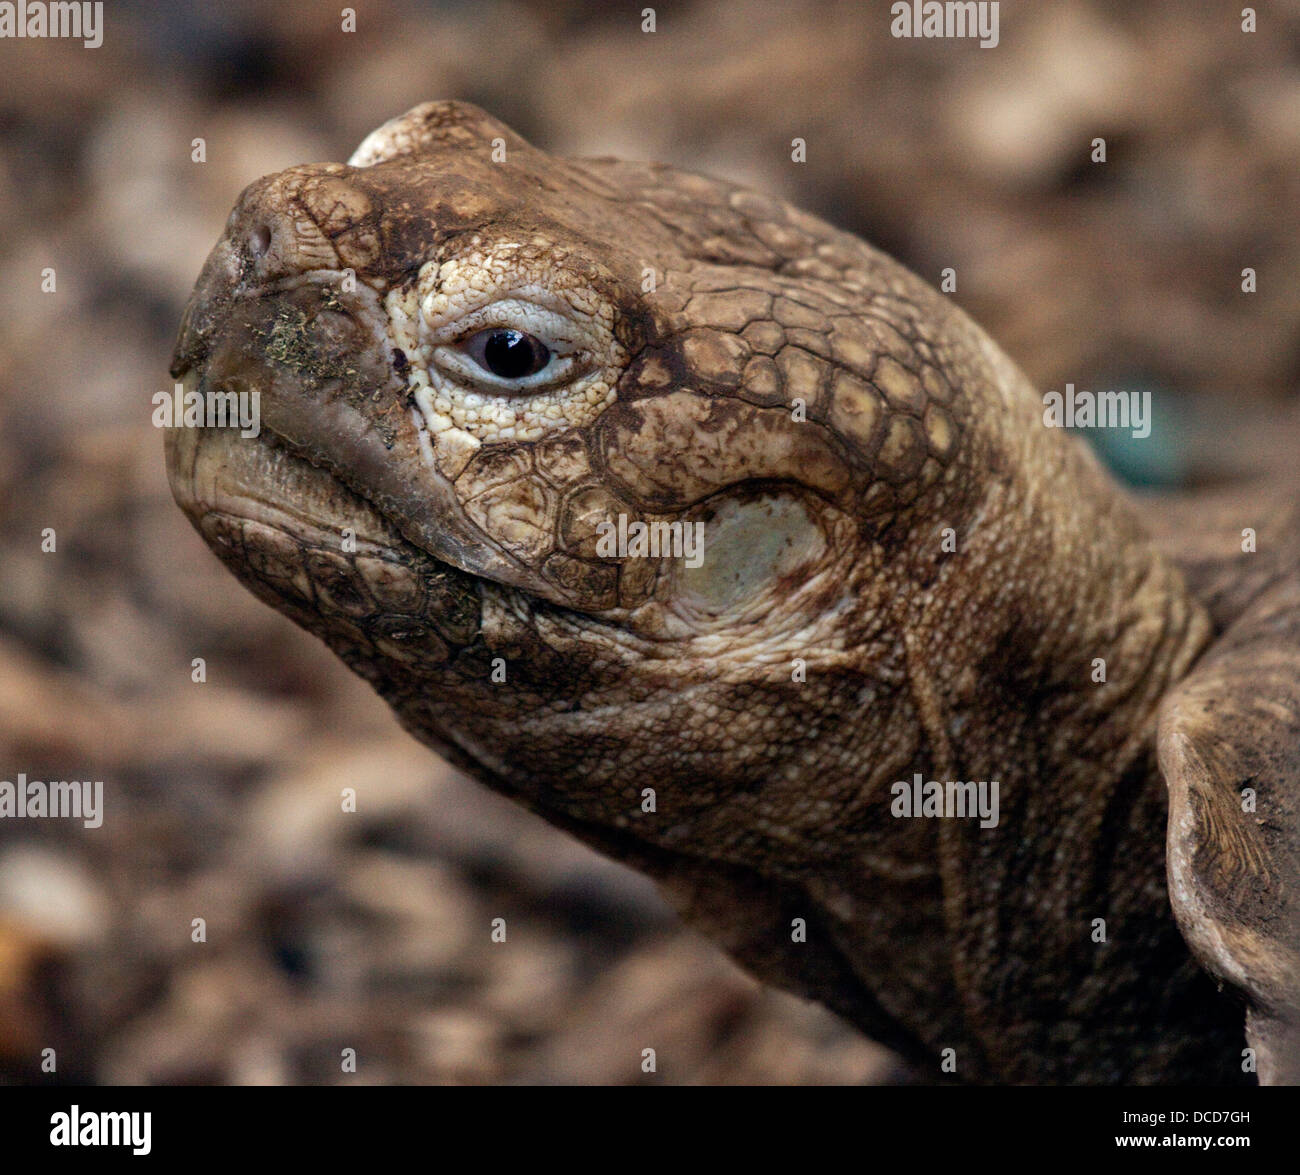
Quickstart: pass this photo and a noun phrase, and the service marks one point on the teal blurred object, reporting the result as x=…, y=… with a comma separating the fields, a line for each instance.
x=1158, y=461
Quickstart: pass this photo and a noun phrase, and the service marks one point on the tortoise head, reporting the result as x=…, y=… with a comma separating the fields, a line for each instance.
x=603, y=472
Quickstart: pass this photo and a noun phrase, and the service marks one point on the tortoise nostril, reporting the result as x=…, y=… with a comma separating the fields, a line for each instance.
x=259, y=240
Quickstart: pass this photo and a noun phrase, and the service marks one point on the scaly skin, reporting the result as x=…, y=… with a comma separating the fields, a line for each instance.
x=826, y=415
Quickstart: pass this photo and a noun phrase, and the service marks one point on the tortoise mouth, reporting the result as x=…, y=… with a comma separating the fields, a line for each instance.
x=263, y=478
x=316, y=550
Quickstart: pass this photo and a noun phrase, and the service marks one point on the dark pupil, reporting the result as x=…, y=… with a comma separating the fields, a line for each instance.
x=512, y=354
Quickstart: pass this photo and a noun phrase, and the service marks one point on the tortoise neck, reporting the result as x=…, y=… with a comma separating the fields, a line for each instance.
x=1073, y=626
x=1071, y=631
x=1076, y=630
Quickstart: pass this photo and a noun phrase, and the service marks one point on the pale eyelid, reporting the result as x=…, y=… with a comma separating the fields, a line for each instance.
x=509, y=313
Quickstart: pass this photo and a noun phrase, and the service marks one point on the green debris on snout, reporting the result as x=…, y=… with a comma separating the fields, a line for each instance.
x=292, y=343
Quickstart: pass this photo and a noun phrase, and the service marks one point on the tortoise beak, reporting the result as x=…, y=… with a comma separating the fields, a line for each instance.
x=207, y=305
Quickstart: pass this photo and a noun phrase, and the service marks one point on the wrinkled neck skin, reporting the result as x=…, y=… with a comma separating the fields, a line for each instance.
x=979, y=664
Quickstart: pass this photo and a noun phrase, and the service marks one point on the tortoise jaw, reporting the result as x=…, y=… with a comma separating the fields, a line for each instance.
x=324, y=556
x=273, y=480
x=216, y=471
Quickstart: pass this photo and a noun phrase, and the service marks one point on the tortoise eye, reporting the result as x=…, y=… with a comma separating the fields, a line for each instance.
x=506, y=353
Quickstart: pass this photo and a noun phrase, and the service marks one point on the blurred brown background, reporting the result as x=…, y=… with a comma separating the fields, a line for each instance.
x=371, y=931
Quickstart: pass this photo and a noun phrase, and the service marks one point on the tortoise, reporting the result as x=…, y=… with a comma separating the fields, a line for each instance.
x=712, y=534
